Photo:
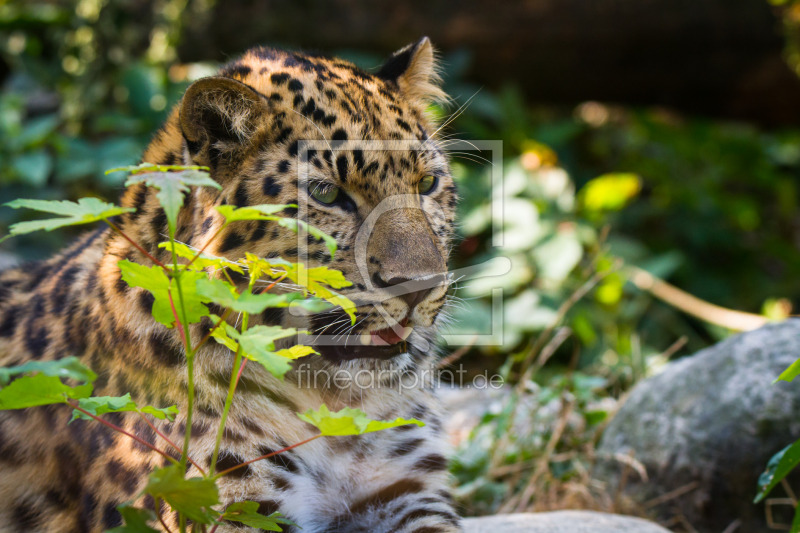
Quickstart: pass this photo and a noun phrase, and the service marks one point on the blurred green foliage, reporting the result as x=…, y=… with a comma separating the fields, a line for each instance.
x=84, y=85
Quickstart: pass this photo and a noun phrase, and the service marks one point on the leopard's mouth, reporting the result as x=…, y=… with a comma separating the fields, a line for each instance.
x=380, y=344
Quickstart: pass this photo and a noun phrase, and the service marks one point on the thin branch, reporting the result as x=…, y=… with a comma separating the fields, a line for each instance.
x=157, y=505
x=177, y=448
x=135, y=245
x=682, y=300
x=74, y=405
x=267, y=456
x=178, y=323
x=268, y=287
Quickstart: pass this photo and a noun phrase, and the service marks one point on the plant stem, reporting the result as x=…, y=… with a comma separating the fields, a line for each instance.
x=157, y=504
x=175, y=446
x=236, y=373
x=267, y=456
x=74, y=405
x=178, y=323
x=135, y=245
x=268, y=287
x=184, y=326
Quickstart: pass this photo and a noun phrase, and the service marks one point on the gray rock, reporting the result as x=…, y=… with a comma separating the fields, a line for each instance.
x=561, y=522
x=705, y=428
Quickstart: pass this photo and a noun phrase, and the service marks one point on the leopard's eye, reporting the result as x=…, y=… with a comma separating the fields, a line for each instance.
x=426, y=184
x=323, y=193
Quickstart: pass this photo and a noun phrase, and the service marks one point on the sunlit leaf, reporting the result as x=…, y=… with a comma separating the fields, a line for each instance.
x=172, y=187
x=84, y=211
x=155, y=280
x=610, y=192
x=252, y=212
x=99, y=405
x=296, y=352
x=790, y=373
x=30, y=391
x=312, y=280
x=192, y=497
x=68, y=367
x=349, y=421
x=203, y=261
x=151, y=167
x=778, y=468
x=247, y=514
x=136, y=520
x=220, y=334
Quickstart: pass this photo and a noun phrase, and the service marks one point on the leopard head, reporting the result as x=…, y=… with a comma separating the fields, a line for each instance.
x=358, y=155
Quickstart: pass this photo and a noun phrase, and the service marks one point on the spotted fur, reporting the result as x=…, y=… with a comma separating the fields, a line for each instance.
x=247, y=125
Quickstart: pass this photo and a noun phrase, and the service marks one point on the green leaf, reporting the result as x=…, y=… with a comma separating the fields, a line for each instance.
x=68, y=367
x=796, y=520
x=99, y=405
x=172, y=187
x=349, y=421
x=610, y=192
x=251, y=212
x=192, y=497
x=790, y=373
x=152, y=167
x=30, y=391
x=223, y=293
x=265, y=212
x=247, y=514
x=295, y=225
x=135, y=520
x=84, y=211
x=220, y=334
x=203, y=260
x=258, y=344
x=155, y=280
x=778, y=468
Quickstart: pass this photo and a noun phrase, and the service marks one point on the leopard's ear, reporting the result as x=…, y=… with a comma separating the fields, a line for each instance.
x=219, y=112
x=414, y=70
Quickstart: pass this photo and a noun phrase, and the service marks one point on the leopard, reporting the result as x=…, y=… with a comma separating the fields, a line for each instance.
x=355, y=153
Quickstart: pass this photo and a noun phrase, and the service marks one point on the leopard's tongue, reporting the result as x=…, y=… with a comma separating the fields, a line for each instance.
x=388, y=336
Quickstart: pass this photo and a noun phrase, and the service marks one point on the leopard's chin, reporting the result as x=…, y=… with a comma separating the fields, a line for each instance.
x=380, y=344
x=346, y=352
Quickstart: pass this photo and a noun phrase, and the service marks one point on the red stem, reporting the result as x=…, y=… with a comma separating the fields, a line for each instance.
x=120, y=430
x=267, y=456
x=268, y=287
x=145, y=252
x=178, y=323
x=160, y=434
x=157, y=504
x=239, y=375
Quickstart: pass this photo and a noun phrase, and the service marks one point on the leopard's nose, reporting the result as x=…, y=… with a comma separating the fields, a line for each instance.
x=412, y=291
